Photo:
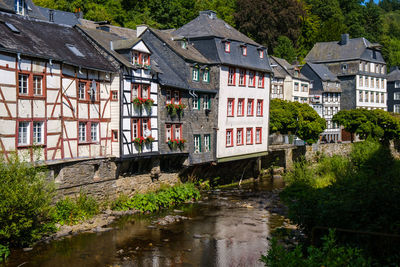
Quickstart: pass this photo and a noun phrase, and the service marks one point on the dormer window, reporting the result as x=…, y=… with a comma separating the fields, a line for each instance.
x=184, y=44
x=195, y=74
x=261, y=53
x=19, y=7
x=227, y=47
x=244, y=50
x=206, y=75
x=140, y=58
x=296, y=73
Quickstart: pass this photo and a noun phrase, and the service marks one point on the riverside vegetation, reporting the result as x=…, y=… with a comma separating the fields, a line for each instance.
x=357, y=195
x=27, y=212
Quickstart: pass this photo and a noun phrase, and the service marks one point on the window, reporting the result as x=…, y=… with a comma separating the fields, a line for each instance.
x=94, y=132
x=82, y=132
x=240, y=111
x=372, y=97
x=146, y=59
x=23, y=133
x=207, y=143
x=244, y=50
x=227, y=47
x=168, y=97
x=366, y=99
x=296, y=87
x=230, y=107
x=114, y=95
x=250, y=107
x=206, y=76
x=305, y=87
x=177, y=98
x=378, y=83
x=140, y=58
x=197, y=143
x=377, y=97
x=38, y=132
x=141, y=127
x=82, y=90
x=23, y=84
x=372, y=82
x=168, y=132
x=366, y=81
x=383, y=84
x=397, y=96
x=19, y=7
x=260, y=80
x=259, y=108
x=206, y=102
x=239, y=136
x=140, y=90
x=360, y=66
x=261, y=53
x=229, y=137
x=396, y=108
x=114, y=135
x=74, y=50
x=37, y=85
x=249, y=136
x=258, y=135
x=195, y=74
x=196, y=103
x=382, y=98
x=177, y=133
x=366, y=66
x=232, y=76
x=242, y=77
x=252, y=80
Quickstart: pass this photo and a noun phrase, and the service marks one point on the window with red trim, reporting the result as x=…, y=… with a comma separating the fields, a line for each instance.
x=250, y=107
x=259, y=108
x=231, y=107
x=227, y=47
x=252, y=80
x=31, y=85
x=244, y=50
x=140, y=91
x=141, y=127
x=239, y=136
x=114, y=95
x=232, y=76
x=242, y=77
x=140, y=58
x=261, y=53
x=88, y=131
x=31, y=132
x=114, y=135
x=229, y=137
x=173, y=131
x=177, y=98
x=260, y=80
x=258, y=135
x=240, y=110
x=249, y=136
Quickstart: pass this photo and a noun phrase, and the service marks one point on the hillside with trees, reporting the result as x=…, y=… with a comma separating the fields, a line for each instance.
x=289, y=28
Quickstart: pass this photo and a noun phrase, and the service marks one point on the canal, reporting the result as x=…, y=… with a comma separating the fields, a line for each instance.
x=228, y=227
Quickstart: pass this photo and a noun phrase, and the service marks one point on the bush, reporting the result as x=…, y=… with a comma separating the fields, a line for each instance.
x=71, y=211
x=4, y=252
x=330, y=254
x=163, y=198
x=26, y=213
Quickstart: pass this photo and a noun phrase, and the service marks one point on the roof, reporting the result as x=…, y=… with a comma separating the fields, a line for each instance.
x=284, y=66
x=122, y=44
x=357, y=48
x=32, y=10
x=208, y=25
x=394, y=75
x=60, y=17
x=120, y=31
x=323, y=72
x=49, y=41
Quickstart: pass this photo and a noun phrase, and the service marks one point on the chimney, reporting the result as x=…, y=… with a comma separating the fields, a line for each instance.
x=345, y=39
x=140, y=29
x=78, y=13
x=210, y=13
x=51, y=15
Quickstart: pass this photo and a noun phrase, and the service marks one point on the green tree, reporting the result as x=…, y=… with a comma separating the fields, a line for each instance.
x=285, y=49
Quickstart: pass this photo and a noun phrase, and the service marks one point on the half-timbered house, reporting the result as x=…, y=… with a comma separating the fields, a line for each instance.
x=55, y=91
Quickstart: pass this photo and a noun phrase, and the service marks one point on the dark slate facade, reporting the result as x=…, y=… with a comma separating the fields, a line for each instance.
x=393, y=88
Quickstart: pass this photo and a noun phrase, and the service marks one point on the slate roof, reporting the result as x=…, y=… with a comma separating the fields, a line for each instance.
x=394, y=75
x=287, y=68
x=32, y=10
x=60, y=17
x=120, y=31
x=357, y=48
x=208, y=25
x=46, y=40
x=323, y=72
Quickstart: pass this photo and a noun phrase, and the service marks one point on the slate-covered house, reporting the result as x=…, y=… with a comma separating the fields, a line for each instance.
x=359, y=66
x=55, y=91
x=325, y=95
x=244, y=83
x=393, y=90
x=295, y=85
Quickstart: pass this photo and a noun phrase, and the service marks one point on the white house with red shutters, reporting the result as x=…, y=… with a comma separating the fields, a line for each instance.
x=244, y=85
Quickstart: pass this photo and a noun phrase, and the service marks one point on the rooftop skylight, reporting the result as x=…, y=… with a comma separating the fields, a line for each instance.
x=11, y=27
x=74, y=50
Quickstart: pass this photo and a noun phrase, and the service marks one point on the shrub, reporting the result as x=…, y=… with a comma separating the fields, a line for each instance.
x=71, y=211
x=163, y=198
x=26, y=213
x=330, y=254
x=4, y=252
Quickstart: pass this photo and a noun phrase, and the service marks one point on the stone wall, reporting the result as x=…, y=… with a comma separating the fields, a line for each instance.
x=342, y=149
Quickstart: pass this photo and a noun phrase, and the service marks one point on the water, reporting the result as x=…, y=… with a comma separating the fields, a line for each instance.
x=228, y=228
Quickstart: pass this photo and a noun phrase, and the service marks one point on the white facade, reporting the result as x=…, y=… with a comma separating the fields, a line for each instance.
x=234, y=117
x=371, y=92
x=277, y=88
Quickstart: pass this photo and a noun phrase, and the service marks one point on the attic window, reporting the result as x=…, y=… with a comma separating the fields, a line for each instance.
x=74, y=50
x=184, y=44
x=12, y=27
x=261, y=53
x=227, y=47
x=244, y=50
x=19, y=7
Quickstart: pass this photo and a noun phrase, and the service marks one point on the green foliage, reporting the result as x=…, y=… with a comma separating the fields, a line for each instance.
x=361, y=195
x=285, y=49
x=330, y=254
x=164, y=198
x=296, y=118
x=4, y=252
x=72, y=211
x=25, y=204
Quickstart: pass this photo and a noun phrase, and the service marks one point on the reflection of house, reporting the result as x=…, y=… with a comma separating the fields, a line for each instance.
x=393, y=90
x=244, y=81
x=360, y=67
x=55, y=90
x=295, y=85
x=325, y=95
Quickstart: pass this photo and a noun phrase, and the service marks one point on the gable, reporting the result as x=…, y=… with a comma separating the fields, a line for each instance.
x=141, y=47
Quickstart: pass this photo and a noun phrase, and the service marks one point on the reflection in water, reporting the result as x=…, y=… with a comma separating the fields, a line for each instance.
x=230, y=228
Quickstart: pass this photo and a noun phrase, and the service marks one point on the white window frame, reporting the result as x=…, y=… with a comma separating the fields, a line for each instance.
x=206, y=102
x=23, y=133
x=207, y=143
x=396, y=96
x=396, y=108
x=82, y=131
x=38, y=132
x=23, y=83
x=197, y=145
x=94, y=131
